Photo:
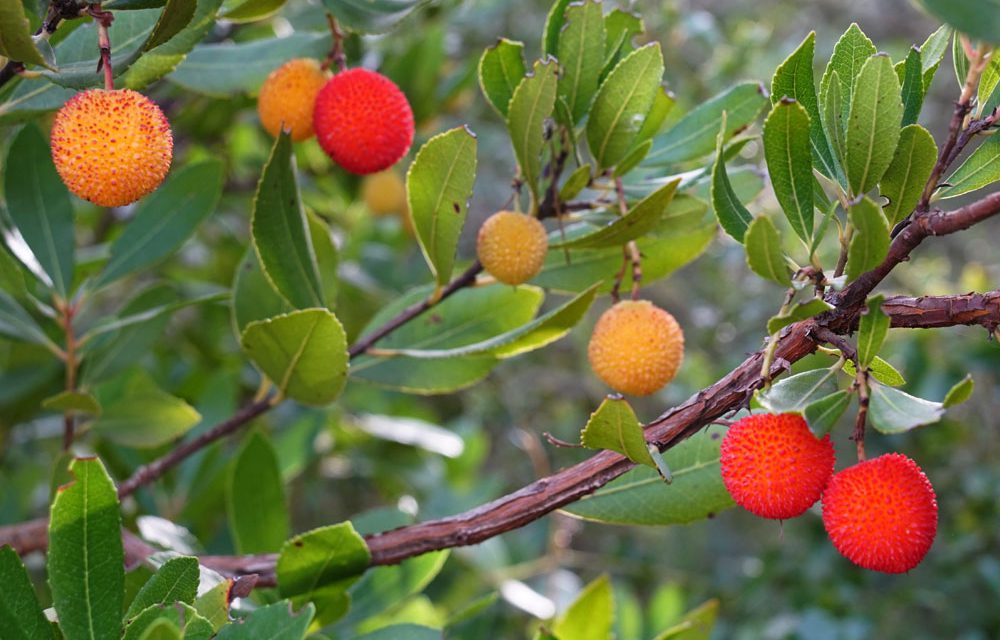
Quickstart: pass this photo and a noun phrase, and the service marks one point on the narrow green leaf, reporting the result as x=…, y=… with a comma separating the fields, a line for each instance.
x=39, y=205
x=275, y=622
x=501, y=69
x=213, y=605
x=554, y=23
x=732, y=215
x=145, y=416
x=880, y=370
x=254, y=298
x=622, y=103
x=173, y=19
x=663, y=104
x=912, y=87
x=86, y=563
x=591, y=614
x=253, y=10
x=980, y=19
x=959, y=61
x=870, y=243
x=833, y=121
x=175, y=581
x=15, y=35
x=873, y=327
x=873, y=124
x=321, y=564
x=894, y=411
x=126, y=320
x=372, y=16
x=801, y=311
x=789, y=162
x=988, y=94
x=822, y=415
x=932, y=52
x=696, y=624
x=75, y=402
x=620, y=29
x=575, y=183
x=255, y=498
x=642, y=497
x=385, y=588
x=764, y=255
x=640, y=220
x=304, y=353
x=21, y=616
x=16, y=323
x=160, y=629
x=850, y=53
x=904, y=180
x=533, y=101
x=581, y=56
x=794, y=393
x=632, y=159
x=615, y=427
x=979, y=170
x=959, y=393
x=438, y=187
x=280, y=233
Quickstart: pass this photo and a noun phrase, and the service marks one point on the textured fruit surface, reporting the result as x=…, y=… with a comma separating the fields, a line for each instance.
x=111, y=147
x=636, y=347
x=384, y=193
x=363, y=121
x=512, y=246
x=287, y=98
x=773, y=466
x=881, y=514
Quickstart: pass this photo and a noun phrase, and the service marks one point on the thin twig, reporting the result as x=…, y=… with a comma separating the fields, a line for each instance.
x=336, y=56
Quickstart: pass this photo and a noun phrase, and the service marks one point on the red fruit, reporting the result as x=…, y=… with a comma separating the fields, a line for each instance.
x=881, y=514
x=773, y=465
x=363, y=121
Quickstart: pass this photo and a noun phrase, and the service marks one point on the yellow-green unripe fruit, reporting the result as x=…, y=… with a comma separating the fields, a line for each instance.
x=512, y=246
x=636, y=347
x=384, y=193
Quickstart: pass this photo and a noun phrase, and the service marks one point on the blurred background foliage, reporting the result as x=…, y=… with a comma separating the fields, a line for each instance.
x=382, y=454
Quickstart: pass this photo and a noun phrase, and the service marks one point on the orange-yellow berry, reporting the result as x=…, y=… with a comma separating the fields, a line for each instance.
x=636, y=347
x=773, y=466
x=881, y=514
x=512, y=246
x=287, y=98
x=111, y=147
x=384, y=193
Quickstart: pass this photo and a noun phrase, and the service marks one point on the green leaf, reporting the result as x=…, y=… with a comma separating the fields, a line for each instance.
x=932, y=52
x=554, y=22
x=873, y=327
x=253, y=10
x=696, y=624
x=532, y=102
x=822, y=415
x=622, y=103
x=575, y=183
x=959, y=61
x=591, y=614
x=160, y=60
x=640, y=220
x=988, y=94
x=15, y=35
x=86, y=563
x=320, y=565
x=173, y=19
x=789, y=162
x=145, y=416
x=145, y=315
x=75, y=402
x=255, y=498
x=912, y=81
x=870, y=243
x=372, y=16
x=880, y=370
x=641, y=497
x=904, y=180
x=304, y=353
x=16, y=323
x=403, y=632
x=280, y=233
x=733, y=216
x=382, y=588
x=213, y=605
x=167, y=621
x=31, y=98
x=253, y=296
x=620, y=28
x=794, y=393
x=893, y=411
x=21, y=616
x=695, y=135
x=794, y=79
x=501, y=69
x=615, y=427
x=979, y=170
x=959, y=393
x=850, y=53
x=979, y=19
x=764, y=255
x=274, y=622
x=165, y=219
x=39, y=205
x=581, y=56
x=161, y=629
x=833, y=121
x=873, y=124
x=801, y=311
x=438, y=187
x=175, y=581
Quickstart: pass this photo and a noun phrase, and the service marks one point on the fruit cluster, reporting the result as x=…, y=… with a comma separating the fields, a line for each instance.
x=880, y=514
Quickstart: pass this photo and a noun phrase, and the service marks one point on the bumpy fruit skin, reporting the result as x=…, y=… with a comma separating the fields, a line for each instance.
x=636, y=347
x=512, y=246
x=363, y=121
x=773, y=466
x=881, y=514
x=111, y=147
x=384, y=193
x=287, y=98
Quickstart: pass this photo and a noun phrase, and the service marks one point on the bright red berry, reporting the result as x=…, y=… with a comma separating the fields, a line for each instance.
x=881, y=514
x=773, y=465
x=363, y=121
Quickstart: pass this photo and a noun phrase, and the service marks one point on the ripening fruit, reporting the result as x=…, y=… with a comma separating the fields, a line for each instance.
x=636, y=347
x=384, y=193
x=773, y=466
x=881, y=514
x=363, y=121
x=287, y=98
x=111, y=147
x=512, y=246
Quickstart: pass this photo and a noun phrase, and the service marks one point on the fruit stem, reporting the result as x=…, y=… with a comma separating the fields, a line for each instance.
x=861, y=381
x=104, y=20
x=336, y=56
